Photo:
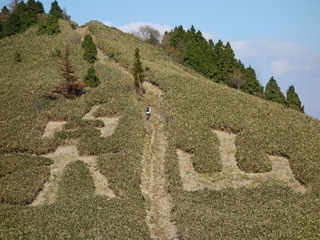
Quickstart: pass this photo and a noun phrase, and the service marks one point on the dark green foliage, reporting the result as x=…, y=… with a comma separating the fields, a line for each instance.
x=24, y=16
x=252, y=85
x=138, y=72
x=215, y=62
x=91, y=79
x=177, y=38
x=55, y=10
x=90, y=50
x=293, y=99
x=273, y=92
x=28, y=13
x=50, y=26
x=12, y=26
x=17, y=57
x=38, y=7
x=196, y=53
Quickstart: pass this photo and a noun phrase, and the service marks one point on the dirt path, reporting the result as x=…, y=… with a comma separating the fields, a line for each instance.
x=153, y=177
x=231, y=176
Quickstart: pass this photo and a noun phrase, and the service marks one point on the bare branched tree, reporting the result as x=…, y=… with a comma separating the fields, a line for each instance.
x=149, y=34
x=13, y=5
x=238, y=79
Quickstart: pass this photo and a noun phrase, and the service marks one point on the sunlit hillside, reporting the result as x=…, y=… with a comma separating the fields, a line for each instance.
x=211, y=163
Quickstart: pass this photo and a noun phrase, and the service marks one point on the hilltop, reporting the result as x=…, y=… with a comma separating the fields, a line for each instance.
x=212, y=162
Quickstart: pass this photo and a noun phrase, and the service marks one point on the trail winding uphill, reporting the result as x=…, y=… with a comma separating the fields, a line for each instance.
x=153, y=177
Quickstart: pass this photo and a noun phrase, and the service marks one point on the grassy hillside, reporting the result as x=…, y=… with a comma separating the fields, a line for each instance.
x=191, y=107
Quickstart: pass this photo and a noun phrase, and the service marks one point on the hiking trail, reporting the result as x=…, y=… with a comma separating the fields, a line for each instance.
x=153, y=176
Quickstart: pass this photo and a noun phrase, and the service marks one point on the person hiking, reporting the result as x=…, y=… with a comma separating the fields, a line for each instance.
x=148, y=112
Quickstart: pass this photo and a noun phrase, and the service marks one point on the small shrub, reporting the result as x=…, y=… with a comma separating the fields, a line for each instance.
x=138, y=72
x=73, y=24
x=17, y=57
x=56, y=53
x=90, y=50
x=91, y=79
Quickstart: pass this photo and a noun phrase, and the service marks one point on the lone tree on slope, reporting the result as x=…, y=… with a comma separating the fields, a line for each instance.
x=71, y=87
x=293, y=99
x=138, y=72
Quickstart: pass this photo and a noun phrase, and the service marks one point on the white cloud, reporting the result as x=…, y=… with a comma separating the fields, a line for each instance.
x=279, y=66
x=108, y=23
x=279, y=58
x=289, y=63
x=134, y=27
x=208, y=35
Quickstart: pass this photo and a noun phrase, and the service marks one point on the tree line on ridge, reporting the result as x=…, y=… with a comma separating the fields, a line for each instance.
x=215, y=61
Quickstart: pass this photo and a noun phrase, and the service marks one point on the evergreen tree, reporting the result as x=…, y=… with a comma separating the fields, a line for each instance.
x=293, y=99
x=55, y=10
x=71, y=87
x=196, y=52
x=26, y=17
x=273, y=92
x=138, y=72
x=217, y=62
x=178, y=42
x=12, y=26
x=90, y=50
x=177, y=35
x=91, y=79
x=49, y=26
x=212, y=59
x=252, y=85
x=229, y=64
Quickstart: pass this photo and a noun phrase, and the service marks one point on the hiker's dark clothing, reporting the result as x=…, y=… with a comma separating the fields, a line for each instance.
x=148, y=112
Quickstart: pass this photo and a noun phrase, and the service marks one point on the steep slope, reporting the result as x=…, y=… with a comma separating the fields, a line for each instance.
x=140, y=160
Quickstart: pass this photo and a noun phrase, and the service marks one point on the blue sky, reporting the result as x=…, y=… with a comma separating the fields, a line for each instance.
x=279, y=38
